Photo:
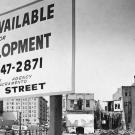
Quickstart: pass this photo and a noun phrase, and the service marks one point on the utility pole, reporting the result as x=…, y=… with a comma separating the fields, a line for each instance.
x=20, y=118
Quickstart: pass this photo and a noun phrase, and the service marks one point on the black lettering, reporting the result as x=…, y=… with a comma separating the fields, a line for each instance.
x=17, y=22
x=5, y=54
x=2, y=37
x=26, y=20
x=42, y=84
x=34, y=86
x=13, y=23
x=34, y=17
x=23, y=46
x=39, y=42
x=27, y=88
x=13, y=78
x=42, y=17
x=1, y=26
x=13, y=47
x=31, y=43
x=7, y=90
x=47, y=39
x=50, y=11
x=7, y=25
x=14, y=89
x=21, y=88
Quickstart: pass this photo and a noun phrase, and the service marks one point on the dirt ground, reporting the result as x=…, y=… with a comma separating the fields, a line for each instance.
x=109, y=132
x=114, y=132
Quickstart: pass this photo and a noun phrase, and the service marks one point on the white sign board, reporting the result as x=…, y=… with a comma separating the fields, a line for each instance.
x=36, y=49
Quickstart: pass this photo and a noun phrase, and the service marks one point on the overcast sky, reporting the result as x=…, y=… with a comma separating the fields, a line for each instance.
x=105, y=44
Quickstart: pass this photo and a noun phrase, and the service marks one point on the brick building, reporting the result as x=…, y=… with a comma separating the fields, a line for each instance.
x=127, y=95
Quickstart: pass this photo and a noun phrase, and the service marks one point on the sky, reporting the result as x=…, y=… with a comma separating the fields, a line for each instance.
x=105, y=44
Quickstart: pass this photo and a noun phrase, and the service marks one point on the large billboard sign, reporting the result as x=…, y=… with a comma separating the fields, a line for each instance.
x=10, y=116
x=36, y=49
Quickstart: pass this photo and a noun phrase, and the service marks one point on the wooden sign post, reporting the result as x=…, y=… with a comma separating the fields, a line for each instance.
x=55, y=115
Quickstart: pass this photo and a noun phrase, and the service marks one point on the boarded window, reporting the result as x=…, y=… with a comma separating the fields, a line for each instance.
x=118, y=106
x=115, y=106
x=87, y=103
x=71, y=103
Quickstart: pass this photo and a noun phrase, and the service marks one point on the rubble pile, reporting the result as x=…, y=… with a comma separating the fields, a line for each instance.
x=114, y=132
x=126, y=132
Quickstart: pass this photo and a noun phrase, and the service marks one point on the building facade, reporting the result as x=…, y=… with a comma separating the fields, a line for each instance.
x=80, y=113
x=80, y=102
x=108, y=114
x=33, y=109
x=1, y=107
x=127, y=95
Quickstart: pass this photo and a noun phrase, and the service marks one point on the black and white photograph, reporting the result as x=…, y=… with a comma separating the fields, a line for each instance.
x=67, y=67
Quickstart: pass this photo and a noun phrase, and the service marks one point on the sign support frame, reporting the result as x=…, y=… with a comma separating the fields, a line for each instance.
x=56, y=100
